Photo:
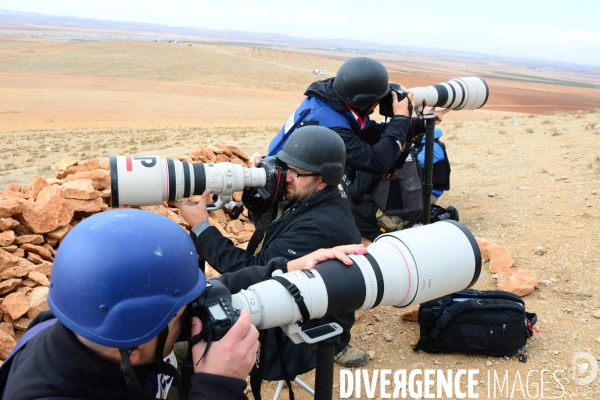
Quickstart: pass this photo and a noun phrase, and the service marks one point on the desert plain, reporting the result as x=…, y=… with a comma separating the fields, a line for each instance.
x=525, y=167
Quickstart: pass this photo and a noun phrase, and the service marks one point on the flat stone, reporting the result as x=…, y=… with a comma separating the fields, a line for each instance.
x=80, y=189
x=39, y=250
x=15, y=305
x=7, y=238
x=410, y=313
x=9, y=207
x=517, y=280
x=90, y=206
x=59, y=232
x=499, y=263
x=39, y=278
x=38, y=301
x=65, y=163
x=9, y=285
x=8, y=224
x=31, y=239
x=99, y=177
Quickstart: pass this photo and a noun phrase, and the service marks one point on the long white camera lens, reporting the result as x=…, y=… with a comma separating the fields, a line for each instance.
x=150, y=180
x=400, y=269
x=467, y=93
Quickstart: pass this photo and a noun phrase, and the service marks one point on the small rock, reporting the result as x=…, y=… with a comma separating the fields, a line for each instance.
x=540, y=251
x=371, y=354
x=388, y=337
x=378, y=318
x=596, y=314
x=517, y=280
x=410, y=314
x=545, y=282
x=488, y=363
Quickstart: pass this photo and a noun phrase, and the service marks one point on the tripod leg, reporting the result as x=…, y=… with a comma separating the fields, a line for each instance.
x=304, y=386
x=324, y=369
x=278, y=390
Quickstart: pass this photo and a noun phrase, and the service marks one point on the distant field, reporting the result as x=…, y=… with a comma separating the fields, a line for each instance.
x=51, y=84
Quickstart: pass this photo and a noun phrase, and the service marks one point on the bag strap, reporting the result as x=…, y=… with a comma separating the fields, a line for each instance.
x=28, y=335
x=489, y=294
x=481, y=304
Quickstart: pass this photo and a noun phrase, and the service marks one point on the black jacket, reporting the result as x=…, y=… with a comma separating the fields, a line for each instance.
x=374, y=148
x=323, y=220
x=54, y=363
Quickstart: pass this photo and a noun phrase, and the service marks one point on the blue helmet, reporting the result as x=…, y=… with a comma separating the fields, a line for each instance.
x=120, y=276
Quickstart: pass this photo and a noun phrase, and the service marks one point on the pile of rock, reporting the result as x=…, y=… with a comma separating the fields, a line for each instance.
x=35, y=218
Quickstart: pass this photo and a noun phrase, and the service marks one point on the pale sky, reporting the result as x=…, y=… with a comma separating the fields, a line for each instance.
x=567, y=31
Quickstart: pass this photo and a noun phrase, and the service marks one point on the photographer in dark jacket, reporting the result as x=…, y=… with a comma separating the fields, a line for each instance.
x=118, y=296
x=344, y=104
x=315, y=216
x=380, y=204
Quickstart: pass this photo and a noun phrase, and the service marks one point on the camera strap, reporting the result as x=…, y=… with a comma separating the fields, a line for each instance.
x=295, y=292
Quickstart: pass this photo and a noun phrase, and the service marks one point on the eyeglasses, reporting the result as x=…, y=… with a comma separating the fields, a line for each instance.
x=295, y=174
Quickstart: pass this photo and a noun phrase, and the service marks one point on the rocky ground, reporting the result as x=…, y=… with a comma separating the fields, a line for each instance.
x=529, y=184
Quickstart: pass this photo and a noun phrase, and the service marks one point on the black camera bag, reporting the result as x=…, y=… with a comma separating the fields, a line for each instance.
x=492, y=323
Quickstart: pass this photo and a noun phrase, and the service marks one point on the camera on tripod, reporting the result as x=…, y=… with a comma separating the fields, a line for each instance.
x=150, y=180
x=467, y=93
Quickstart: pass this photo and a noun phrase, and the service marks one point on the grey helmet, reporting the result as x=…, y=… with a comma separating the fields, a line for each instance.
x=361, y=81
x=317, y=149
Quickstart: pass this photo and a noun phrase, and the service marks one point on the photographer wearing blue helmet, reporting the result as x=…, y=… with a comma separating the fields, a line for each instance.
x=120, y=286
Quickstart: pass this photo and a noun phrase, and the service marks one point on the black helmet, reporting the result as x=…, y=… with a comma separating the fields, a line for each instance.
x=317, y=149
x=361, y=81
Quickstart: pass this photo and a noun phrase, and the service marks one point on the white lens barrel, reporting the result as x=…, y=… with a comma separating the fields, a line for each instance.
x=400, y=269
x=467, y=93
x=427, y=262
x=225, y=178
x=270, y=304
x=150, y=180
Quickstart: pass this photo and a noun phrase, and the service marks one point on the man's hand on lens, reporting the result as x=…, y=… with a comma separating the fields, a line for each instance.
x=401, y=107
x=234, y=355
x=438, y=113
x=193, y=212
x=340, y=252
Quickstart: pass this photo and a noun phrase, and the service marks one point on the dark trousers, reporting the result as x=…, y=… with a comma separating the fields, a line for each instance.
x=364, y=213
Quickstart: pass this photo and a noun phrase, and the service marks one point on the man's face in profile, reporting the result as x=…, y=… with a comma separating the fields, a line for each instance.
x=298, y=187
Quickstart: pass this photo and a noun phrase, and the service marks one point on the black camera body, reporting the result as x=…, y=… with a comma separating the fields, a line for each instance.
x=215, y=310
x=261, y=200
x=385, y=105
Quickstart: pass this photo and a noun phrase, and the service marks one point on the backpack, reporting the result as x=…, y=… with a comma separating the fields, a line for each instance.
x=492, y=323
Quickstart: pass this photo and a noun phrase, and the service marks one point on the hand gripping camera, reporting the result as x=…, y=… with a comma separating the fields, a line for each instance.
x=150, y=180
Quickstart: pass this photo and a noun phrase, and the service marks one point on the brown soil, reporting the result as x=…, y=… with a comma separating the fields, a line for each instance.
x=521, y=180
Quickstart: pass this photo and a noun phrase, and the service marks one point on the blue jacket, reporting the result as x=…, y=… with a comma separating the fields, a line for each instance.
x=372, y=149
x=439, y=154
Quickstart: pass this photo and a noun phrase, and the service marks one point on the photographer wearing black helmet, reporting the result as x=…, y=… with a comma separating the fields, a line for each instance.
x=344, y=104
x=315, y=216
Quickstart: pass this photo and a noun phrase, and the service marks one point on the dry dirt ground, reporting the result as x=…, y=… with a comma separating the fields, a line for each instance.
x=521, y=180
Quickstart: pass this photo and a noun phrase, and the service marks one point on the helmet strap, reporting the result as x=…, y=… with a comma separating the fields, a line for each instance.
x=129, y=375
